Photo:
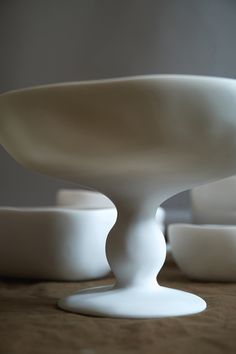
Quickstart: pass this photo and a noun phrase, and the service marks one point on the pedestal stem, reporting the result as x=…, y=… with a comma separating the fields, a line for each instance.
x=136, y=252
x=135, y=247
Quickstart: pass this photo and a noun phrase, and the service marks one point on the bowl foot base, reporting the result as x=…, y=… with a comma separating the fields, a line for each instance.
x=110, y=301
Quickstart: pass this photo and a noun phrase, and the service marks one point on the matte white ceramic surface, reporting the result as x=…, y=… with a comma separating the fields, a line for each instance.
x=204, y=252
x=54, y=243
x=139, y=141
x=215, y=203
x=85, y=198
x=80, y=198
x=160, y=218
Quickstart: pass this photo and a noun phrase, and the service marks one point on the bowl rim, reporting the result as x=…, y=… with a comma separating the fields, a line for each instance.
x=115, y=80
x=52, y=209
x=202, y=227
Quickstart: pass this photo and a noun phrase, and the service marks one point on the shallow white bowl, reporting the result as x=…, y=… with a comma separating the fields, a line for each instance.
x=204, y=252
x=54, y=243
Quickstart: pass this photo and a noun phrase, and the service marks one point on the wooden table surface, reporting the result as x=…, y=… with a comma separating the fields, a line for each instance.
x=31, y=323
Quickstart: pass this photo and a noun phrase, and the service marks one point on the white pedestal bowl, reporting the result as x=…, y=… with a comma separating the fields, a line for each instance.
x=139, y=141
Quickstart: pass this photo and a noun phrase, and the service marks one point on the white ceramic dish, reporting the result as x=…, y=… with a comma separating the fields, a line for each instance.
x=215, y=203
x=204, y=252
x=81, y=198
x=54, y=243
x=138, y=140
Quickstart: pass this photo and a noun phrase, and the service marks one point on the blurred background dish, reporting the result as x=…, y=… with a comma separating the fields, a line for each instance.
x=204, y=252
x=55, y=243
x=215, y=203
x=82, y=198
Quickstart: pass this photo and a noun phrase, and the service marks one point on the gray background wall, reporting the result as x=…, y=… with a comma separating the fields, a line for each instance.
x=67, y=40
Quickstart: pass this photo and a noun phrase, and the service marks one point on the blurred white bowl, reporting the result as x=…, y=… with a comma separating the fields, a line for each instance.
x=55, y=243
x=215, y=203
x=204, y=252
x=80, y=198
x=215, y=217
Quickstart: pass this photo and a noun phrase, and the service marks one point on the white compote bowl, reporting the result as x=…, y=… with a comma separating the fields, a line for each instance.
x=139, y=141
